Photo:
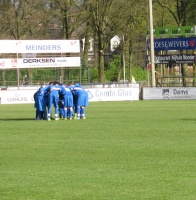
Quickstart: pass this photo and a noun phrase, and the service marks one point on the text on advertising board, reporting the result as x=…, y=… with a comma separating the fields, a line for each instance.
x=173, y=44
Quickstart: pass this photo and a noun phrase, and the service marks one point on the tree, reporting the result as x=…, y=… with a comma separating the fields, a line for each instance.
x=131, y=24
x=100, y=14
x=183, y=12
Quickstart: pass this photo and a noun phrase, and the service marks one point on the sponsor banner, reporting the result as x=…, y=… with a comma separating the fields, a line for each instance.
x=164, y=44
x=40, y=62
x=39, y=46
x=173, y=93
x=165, y=59
x=17, y=96
x=113, y=94
x=94, y=94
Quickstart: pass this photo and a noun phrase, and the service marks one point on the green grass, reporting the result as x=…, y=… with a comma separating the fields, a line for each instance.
x=123, y=150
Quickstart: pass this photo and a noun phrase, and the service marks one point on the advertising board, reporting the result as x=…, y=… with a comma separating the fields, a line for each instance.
x=170, y=93
x=39, y=46
x=165, y=44
x=94, y=95
x=40, y=62
x=165, y=59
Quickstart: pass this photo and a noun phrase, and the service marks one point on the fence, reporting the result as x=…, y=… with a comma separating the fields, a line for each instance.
x=176, y=81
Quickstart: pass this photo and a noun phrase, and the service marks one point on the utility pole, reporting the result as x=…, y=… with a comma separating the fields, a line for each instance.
x=123, y=57
x=153, y=84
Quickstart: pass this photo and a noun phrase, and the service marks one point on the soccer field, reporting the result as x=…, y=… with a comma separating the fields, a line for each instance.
x=123, y=151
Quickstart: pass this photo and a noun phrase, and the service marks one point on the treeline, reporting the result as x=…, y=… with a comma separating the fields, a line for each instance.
x=97, y=19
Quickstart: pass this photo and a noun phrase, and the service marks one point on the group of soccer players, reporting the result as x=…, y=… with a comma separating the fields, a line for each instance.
x=69, y=101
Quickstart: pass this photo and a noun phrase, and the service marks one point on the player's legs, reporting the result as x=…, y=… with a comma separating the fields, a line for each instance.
x=80, y=104
x=56, y=106
x=70, y=112
x=50, y=100
x=82, y=112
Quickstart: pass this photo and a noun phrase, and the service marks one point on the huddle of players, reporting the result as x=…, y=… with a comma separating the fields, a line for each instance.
x=69, y=101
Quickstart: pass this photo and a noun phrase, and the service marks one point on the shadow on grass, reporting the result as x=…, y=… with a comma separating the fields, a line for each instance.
x=20, y=119
x=191, y=119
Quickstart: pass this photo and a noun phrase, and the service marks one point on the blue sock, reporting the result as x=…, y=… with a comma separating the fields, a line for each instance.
x=71, y=113
x=82, y=111
x=65, y=113
x=78, y=110
x=37, y=114
x=56, y=110
x=40, y=115
x=45, y=114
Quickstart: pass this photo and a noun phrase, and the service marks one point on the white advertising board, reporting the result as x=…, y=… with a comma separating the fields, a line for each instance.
x=113, y=94
x=95, y=94
x=17, y=96
x=40, y=62
x=171, y=93
x=39, y=46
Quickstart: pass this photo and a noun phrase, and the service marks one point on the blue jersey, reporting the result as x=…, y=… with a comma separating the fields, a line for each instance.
x=42, y=91
x=54, y=89
x=41, y=98
x=65, y=90
x=79, y=96
x=35, y=99
x=67, y=96
x=86, y=98
x=53, y=97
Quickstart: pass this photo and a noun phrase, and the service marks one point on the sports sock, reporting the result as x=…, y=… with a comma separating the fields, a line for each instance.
x=65, y=113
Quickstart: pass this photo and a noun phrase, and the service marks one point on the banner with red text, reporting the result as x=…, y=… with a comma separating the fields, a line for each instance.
x=40, y=62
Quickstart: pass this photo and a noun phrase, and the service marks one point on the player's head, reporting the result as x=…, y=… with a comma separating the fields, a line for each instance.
x=77, y=85
x=56, y=83
x=42, y=85
x=50, y=83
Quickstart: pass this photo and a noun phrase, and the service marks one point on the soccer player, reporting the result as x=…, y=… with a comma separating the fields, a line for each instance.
x=61, y=109
x=80, y=96
x=35, y=105
x=68, y=102
x=53, y=99
x=41, y=99
x=83, y=114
